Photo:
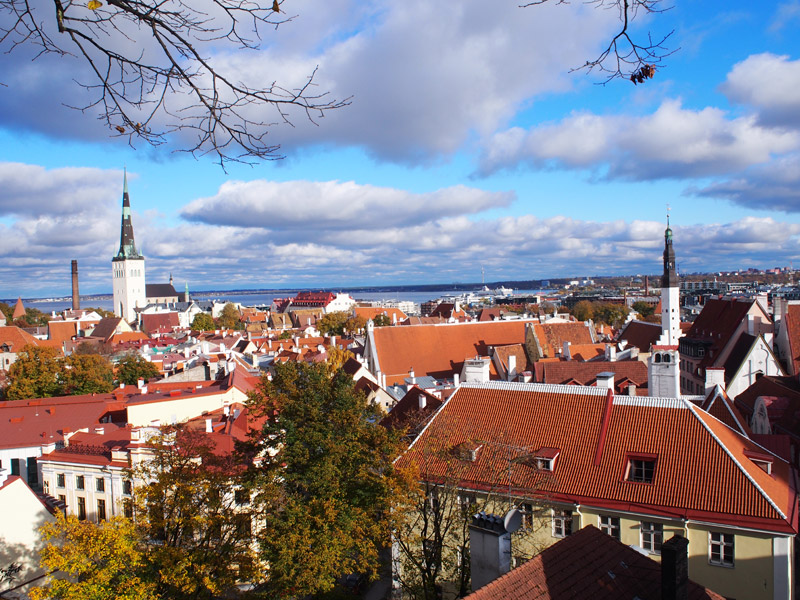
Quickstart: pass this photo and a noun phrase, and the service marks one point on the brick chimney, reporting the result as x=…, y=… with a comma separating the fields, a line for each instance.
x=76, y=297
x=675, y=569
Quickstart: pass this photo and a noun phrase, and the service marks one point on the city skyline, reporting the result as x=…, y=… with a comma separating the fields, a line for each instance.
x=468, y=143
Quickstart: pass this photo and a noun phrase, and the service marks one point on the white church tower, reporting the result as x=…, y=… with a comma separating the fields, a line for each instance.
x=127, y=266
x=663, y=366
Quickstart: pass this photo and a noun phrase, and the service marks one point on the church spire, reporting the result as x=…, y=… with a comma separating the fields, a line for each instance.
x=127, y=246
x=670, y=276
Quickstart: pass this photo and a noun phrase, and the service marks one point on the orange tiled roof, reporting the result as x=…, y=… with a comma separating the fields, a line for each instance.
x=62, y=331
x=371, y=312
x=552, y=336
x=791, y=321
x=439, y=350
x=15, y=338
x=585, y=373
x=702, y=471
x=587, y=564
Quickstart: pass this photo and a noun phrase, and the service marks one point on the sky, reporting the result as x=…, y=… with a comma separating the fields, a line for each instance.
x=469, y=143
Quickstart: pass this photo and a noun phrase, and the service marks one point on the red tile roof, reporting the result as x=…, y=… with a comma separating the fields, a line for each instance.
x=62, y=331
x=586, y=564
x=371, y=312
x=585, y=373
x=702, y=470
x=152, y=322
x=15, y=338
x=717, y=323
x=640, y=334
x=439, y=350
x=551, y=336
x=791, y=320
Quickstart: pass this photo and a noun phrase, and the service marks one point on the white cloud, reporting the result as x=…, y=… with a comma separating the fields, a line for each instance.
x=424, y=77
x=771, y=85
x=311, y=206
x=673, y=142
x=34, y=191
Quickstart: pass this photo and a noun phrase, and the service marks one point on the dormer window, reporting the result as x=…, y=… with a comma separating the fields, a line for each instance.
x=544, y=459
x=640, y=468
x=762, y=461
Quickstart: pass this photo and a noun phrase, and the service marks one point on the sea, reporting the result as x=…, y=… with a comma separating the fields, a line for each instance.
x=261, y=299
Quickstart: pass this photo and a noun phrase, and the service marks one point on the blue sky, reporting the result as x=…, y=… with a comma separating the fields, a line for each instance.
x=467, y=143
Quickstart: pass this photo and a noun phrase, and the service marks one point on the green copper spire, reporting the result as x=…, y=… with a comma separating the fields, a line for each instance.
x=127, y=246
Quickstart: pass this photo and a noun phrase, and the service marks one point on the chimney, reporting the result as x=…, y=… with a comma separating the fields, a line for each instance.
x=567, y=353
x=715, y=376
x=611, y=352
x=675, y=569
x=412, y=378
x=490, y=549
x=751, y=324
x=333, y=340
x=456, y=377
x=423, y=400
x=76, y=297
x=209, y=425
x=140, y=383
x=512, y=367
x=631, y=389
x=605, y=380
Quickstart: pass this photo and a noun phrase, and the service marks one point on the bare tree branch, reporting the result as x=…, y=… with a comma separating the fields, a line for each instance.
x=153, y=71
x=625, y=57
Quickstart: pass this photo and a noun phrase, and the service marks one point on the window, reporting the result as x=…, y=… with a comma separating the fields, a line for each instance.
x=79, y=482
x=526, y=510
x=46, y=486
x=652, y=536
x=60, y=480
x=100, y=484
x=562, y=523
x=62, y=499
x=101, y=510
x=241, y=496
x=610, y=525
x=641, y=470
x=127, y=487
x=82, y=509
x=33, y=472
x=720, y=549
x=468, y=503
x=127, y=507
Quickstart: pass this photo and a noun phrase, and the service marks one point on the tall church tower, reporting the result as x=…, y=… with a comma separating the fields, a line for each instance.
x=663, y=366
x=127, y=266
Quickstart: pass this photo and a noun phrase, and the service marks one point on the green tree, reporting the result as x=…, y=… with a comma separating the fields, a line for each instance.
x=381, y=320
x=230, y=318
x=610, y=313
x=583, y=310
x=355, y=324
x=86, y=374
x=35, y=374
x=102, y=561
x=195, y=516
x=33, y=318
x=333, y=323
x=203, y=322
x=326, y=482
x=644, y=308
x=134, y=367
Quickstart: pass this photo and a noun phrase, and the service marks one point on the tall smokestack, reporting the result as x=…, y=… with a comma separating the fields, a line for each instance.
x=76, y=297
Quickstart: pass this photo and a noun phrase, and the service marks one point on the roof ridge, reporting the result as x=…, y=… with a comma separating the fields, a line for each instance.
x=746, y=473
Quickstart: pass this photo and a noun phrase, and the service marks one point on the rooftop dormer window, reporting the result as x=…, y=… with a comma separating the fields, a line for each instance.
x=544, y=459
x=762, y=461
x=640, y=468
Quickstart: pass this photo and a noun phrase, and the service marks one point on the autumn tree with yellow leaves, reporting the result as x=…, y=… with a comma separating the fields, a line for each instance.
x=105, y=561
